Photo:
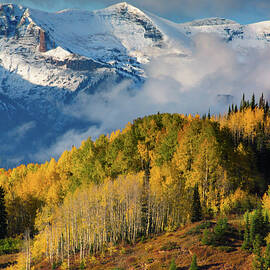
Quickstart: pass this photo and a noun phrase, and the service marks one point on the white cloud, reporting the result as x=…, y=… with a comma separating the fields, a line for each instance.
x=175, y=84
x=19, y=132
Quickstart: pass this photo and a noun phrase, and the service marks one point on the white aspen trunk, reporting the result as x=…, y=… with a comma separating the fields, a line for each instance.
x=47, y=242
x=27, y=250
x=50, y=245
x=68, y=243
x=62, y=248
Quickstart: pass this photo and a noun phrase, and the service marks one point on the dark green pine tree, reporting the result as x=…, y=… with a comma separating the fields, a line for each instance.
x=173, y=265
x=266, y=108
x=3, y=215
x=229, y=111
x=247, y=243
x=257, y=243
x=252, y=230
x=196, y=208
x=243, y=103
x=232, y=108
x=267, y=257
x=261, y=102
x=194, y=265
x=253, y=102
x=257, y=226
x=266, y=224
x=258, y=260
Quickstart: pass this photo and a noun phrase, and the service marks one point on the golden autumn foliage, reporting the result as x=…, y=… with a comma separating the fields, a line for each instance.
x=246, y=123
x=239, y=202
x=139, y=181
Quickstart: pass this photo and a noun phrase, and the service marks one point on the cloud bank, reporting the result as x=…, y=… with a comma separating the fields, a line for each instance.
x=175, y=84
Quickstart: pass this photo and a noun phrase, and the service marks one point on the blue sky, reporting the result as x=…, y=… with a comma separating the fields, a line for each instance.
x=243, y=11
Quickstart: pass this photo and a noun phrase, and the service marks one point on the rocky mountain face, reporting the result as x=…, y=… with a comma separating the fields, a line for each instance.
x=255, y=35
x=47, y=60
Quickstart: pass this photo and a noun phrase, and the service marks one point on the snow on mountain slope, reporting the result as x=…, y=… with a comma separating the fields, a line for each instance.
x=74, y=49
x=120, y=36
x=115, y=35
x=241, y=37
x=23, y=51
x=210, y=22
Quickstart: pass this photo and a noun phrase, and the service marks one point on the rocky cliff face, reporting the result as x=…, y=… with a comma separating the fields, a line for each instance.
x=42, y=41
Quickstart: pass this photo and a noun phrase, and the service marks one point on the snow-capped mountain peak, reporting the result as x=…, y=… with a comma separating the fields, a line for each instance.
x=122, y=7
x=211, y=22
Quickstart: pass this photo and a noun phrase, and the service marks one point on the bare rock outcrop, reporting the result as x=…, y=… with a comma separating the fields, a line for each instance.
x=42, y=41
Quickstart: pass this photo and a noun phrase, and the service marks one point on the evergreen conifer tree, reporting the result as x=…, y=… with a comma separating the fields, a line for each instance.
x=266, y=108
x=253, y=102
x=246, y=243
x=229, y=111
x=252, y=230
x=257, y=225
x=243, y=103
x=257, y=245
x=232, y=108
x=262, y=102
x=173, y=265
x=194, y=265
x=220, y=230
x=196, y=208
x=207, y=237
x=266, y=224
x=3, y=215
x=267, y=257
x=258, y=261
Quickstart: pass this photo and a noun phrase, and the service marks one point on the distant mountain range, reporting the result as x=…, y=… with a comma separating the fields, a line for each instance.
x=48, y=59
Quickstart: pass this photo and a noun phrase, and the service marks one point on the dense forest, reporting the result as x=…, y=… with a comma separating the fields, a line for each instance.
x=160, y=172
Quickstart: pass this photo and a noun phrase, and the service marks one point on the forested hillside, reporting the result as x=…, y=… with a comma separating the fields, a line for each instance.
x=140, y=181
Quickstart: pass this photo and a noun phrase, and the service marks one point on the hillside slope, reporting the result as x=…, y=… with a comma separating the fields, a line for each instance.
x=142, y=181
x=158, y=252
